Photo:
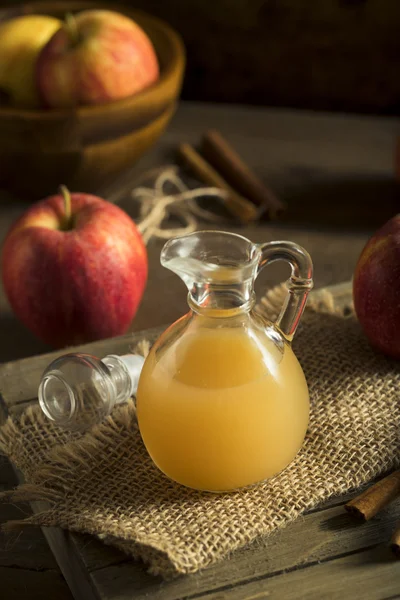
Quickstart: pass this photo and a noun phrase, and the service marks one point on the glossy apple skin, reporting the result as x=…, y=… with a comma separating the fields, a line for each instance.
x=76, y=286
x=112, y=59
x=376, y=289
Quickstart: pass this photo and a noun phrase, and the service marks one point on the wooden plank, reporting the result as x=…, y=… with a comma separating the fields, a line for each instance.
x=21, y=584
x=330, y=169
x=27, y=548
x=27, y=565
x=62, y=545
x=317, y=537
x=97, y=555
x=282, y=144
x=369, y=575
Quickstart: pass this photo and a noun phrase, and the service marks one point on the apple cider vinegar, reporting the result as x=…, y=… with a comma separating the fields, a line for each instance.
x=220, y=409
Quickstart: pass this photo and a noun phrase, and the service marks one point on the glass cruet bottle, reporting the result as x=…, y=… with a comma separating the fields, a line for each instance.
x=222, y=402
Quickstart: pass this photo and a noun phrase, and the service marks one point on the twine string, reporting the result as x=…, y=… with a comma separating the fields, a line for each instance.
x=170, y=197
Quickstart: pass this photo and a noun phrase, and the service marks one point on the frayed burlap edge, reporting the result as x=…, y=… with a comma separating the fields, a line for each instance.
x=74, y=452
x=322, y=301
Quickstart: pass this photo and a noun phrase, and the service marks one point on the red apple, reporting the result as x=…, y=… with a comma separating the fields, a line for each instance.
x=376, y=288
x=96, y=57
x=74, y=269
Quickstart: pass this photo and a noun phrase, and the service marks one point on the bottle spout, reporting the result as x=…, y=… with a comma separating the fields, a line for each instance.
x=217, y=267
x=182, y=256
x=125, y=371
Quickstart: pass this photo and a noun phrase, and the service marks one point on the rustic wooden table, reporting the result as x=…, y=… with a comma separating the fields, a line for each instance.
x=342, y=165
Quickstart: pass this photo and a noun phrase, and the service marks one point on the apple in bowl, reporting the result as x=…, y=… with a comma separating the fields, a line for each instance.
x=97, y=56
x=74, y=269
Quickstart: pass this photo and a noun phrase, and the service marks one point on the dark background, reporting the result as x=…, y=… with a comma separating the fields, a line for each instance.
x=340, y=55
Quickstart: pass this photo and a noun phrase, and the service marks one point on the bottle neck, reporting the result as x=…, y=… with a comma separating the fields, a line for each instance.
x=218, y=301
x=125, y=373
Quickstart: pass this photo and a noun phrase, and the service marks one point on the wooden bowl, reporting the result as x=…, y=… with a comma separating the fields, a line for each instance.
x=85, y=148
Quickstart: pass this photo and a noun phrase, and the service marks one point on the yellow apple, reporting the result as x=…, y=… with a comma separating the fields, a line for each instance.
x=21, y=40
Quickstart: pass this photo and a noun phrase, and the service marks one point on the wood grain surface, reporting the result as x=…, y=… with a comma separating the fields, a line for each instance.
x=324, y=554
x=28, y=568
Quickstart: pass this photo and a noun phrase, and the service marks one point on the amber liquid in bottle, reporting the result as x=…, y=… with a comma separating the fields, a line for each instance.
x=222, y=409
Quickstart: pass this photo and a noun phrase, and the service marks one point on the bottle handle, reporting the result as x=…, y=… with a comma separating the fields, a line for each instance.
x=299, y=284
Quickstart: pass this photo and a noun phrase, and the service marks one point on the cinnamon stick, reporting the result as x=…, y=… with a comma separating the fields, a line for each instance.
x=395, y=542
x=371, y=501
x=245, y=210
x=226, y=160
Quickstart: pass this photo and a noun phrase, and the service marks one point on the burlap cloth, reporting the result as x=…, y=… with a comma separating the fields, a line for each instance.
x=105, y=484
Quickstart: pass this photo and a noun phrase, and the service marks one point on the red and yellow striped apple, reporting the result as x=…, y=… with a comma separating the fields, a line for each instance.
x=376, y=288
x=74, y=269
x=97, y=56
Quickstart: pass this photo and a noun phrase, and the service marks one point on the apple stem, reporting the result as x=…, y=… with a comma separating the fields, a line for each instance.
x=72, y=29
x=65, y=193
